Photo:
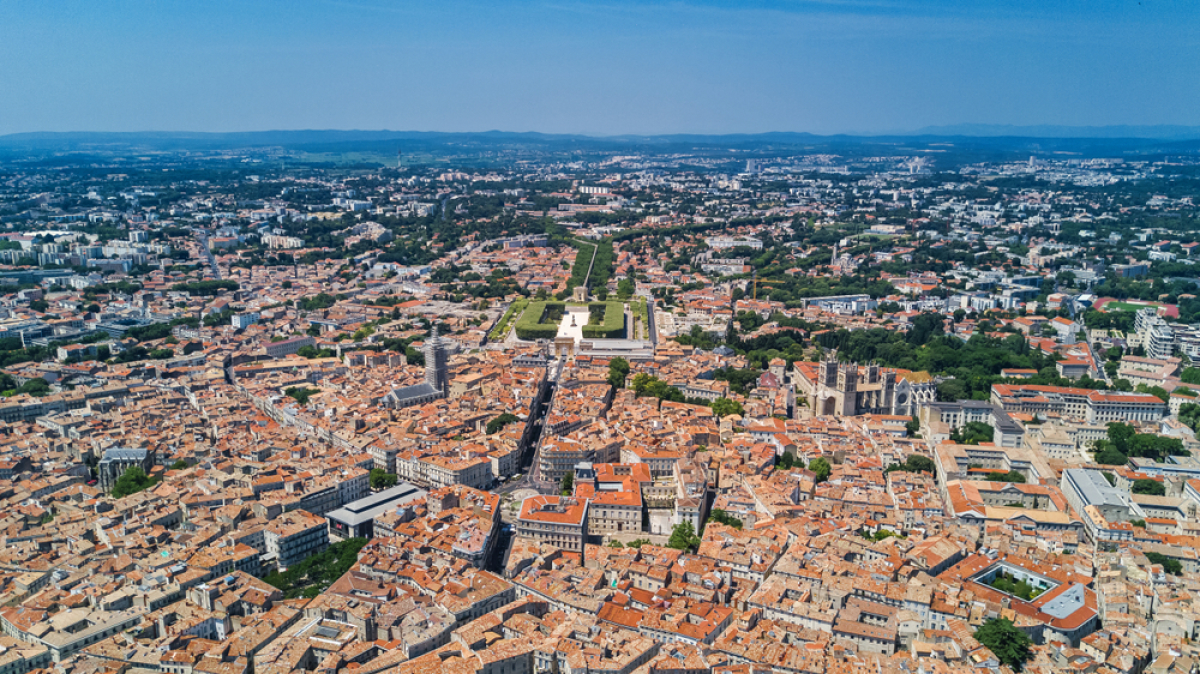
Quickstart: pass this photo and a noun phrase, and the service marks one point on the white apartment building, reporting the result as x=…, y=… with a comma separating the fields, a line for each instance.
x=1105, y=407
x=559, y=521
x=294, y=536
x=1094, y=407
x=724, y=242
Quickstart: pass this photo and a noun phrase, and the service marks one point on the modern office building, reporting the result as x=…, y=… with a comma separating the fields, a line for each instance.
x=1104, y=509
x=357, y=519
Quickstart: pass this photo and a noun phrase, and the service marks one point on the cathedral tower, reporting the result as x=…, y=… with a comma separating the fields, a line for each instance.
x=437, y=362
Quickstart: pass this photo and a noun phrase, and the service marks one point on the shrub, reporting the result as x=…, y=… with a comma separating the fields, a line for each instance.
x=540, y=320
x=607, y=320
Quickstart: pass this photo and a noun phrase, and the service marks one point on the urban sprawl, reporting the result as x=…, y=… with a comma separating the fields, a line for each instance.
x=654, y=413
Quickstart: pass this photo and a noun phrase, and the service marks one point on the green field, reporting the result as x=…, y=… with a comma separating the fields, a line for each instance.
x=1126, y=306
x=380, y=158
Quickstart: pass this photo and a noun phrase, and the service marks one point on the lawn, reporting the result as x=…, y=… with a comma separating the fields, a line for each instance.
x=1126, y=306
x=351, y=158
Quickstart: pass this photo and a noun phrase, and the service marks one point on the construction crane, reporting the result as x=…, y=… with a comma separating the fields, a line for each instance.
x=764, y=282
x=769, y=283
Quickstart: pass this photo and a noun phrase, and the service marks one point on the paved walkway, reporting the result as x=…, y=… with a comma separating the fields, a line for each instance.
x=581, y=315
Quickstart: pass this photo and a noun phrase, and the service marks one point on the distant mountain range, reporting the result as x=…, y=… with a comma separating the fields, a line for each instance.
x=1097, y=141
x=1157, y=132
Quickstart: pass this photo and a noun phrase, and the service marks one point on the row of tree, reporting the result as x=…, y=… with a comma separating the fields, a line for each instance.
x=1124, y=442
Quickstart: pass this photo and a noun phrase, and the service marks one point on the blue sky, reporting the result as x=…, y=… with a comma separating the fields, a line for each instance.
x=824, y=66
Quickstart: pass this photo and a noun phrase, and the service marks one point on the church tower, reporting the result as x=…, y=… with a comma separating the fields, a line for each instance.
x=873, y=373
x=437, y=363
x=847, y=387
x=889, y=391
x=828, y=372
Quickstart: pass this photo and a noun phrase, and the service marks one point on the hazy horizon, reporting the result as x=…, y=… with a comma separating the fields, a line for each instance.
x=860, y=67
x=1120, y=131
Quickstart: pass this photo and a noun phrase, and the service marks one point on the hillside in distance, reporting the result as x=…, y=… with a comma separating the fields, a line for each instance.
x=989, y=142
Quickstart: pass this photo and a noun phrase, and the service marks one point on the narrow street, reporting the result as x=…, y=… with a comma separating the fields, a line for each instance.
x=202, y=237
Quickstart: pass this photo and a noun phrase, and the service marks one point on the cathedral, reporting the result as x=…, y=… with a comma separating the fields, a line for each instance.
x=845, y=389
x=437, y=377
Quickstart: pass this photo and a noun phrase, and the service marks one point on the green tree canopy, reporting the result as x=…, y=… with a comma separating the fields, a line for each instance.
x=132, y=481
x=821, y=467
x=1171, y=566
x=495, y=425
x=1010, y=476
x=618, y=369
x=205, y=288
x=973, y=433
x=381, y=479
x=316, y=573
x=723, y=407
x=719, y=515
x=1010, y=645
x=35, y=387
x=301, y=395
x=740, y=381
x=1189, y=413
x=1108, y=455
x=915, y=463
x=1125, y=441
x=1121, y=435
x=1149, y=487
x=683, y=537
